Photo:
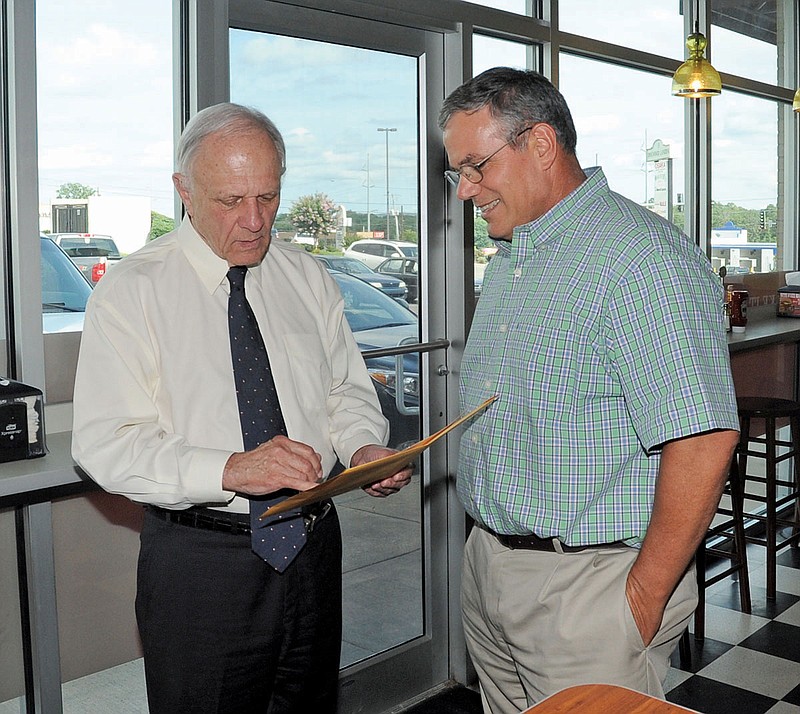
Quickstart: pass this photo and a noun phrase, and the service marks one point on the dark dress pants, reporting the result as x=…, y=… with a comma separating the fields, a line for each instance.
x=223, y=632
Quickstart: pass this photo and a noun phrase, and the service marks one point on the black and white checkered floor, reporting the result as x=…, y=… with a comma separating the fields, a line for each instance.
x=747, y=664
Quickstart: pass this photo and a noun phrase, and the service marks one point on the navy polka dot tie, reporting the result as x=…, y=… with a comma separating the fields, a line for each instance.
x=279, y=540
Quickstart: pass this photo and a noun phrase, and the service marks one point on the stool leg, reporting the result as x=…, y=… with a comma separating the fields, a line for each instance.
x=771, y=526
x=740, y=455
x=700, y=610
x=739, y=540
x=794, y=425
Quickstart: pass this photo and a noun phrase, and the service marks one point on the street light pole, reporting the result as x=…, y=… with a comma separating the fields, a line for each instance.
x=387, y=130
x=367, y=184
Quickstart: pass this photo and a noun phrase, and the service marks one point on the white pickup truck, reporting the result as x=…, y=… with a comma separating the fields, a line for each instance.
x=93, y=253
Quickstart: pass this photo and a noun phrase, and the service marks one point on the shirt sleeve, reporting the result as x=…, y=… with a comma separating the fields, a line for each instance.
x=670, y=351
x=354, y=412
x=118, y=436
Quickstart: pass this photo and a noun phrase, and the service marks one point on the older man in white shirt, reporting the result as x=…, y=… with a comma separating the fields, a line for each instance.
x=221, y=629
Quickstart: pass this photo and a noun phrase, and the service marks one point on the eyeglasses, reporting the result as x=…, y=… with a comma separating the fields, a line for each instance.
x=472, y=172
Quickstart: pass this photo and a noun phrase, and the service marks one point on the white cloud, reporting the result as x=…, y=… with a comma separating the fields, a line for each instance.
x=76, y=156
x=157, y=155
x=102, y=42
x=597, y=124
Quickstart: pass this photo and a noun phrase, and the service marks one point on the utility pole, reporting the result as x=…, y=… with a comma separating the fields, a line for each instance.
x=387, y=130
x=369, y=186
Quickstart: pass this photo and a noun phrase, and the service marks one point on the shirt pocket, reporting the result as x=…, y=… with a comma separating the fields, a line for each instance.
x=310, y=370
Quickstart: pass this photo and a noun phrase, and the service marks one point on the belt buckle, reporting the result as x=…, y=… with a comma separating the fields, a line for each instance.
x=312, y=518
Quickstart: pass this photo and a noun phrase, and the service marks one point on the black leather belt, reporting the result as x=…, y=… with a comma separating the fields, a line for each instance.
x=533, y=542
x=233, y=523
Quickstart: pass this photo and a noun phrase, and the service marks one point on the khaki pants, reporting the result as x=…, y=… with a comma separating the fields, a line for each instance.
x=538, y=622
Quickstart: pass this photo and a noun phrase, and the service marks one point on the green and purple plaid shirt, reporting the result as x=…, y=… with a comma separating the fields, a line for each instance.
x=600, y=328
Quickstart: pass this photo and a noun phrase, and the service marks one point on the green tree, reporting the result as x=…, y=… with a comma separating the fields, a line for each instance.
x=482, y=239
x=314, y=215
x=75, y=190
x=159, y=225
x=749, y=218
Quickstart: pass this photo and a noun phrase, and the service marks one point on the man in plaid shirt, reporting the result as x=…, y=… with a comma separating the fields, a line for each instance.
x=594, y=476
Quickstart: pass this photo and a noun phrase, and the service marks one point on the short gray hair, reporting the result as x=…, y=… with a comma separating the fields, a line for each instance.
x=517, y=99
x=227, y=119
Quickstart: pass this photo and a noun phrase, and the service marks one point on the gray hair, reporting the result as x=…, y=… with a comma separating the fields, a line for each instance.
x=517, y=99
x=227, y=119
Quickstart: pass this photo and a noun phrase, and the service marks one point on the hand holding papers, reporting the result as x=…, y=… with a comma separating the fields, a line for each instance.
x=369, y=473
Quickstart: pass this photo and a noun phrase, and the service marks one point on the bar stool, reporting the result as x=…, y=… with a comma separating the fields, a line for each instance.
x=725, y=539
x=771, y=410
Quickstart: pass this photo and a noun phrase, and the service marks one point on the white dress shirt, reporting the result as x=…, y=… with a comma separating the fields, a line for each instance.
x=155, y=411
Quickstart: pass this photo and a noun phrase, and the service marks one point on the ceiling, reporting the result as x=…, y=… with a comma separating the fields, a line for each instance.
x=754, y=18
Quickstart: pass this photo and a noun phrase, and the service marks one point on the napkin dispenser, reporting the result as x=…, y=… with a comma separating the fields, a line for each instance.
x=21, y=421
x=789, y=301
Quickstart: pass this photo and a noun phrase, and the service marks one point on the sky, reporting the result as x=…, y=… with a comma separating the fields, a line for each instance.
x=104, y=72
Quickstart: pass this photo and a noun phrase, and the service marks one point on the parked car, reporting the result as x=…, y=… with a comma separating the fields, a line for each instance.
x=377, y=322
x=392, y=286
x=65, y=290
x=478, y=282
x=405, y=269
x=93, y=253
x=373, y=251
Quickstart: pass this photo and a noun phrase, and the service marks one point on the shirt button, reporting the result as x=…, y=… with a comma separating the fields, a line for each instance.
x=487, y=384
x=503, y=328
x=517, y=272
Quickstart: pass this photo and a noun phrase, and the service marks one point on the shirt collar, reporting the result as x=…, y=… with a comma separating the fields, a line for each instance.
x=557, y=221
x=210, y=268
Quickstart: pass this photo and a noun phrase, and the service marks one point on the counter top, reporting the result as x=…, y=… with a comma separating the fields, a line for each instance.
x=23, y=480
x=765, y=331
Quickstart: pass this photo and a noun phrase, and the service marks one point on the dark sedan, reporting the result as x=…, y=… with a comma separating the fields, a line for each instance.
x=405, y=269
x=379, y=322
x=393, y=287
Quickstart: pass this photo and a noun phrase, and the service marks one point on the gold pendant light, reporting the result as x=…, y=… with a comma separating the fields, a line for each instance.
x=696, y=77
x=796, y=102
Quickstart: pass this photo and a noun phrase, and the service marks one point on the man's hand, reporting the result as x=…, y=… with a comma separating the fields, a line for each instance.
x=691, y=476
x=647, y=612
x=389, y=485
x=276, y=464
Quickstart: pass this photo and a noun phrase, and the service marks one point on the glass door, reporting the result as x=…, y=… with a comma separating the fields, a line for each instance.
x=348, y=96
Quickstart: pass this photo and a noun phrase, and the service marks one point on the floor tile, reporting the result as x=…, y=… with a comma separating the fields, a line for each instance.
x=711, y=697
x=786, y=579
x=790, y=556
x=770, y=608
x=755, y=671
x=703, y=653
x=675, y=677
x=778, y=639
x=784, y=708
x=790, y=616
x=730, y=625
x=793, y=697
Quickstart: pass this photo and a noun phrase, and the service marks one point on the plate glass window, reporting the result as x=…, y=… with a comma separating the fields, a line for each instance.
x=352, y=153
x=639, y=143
